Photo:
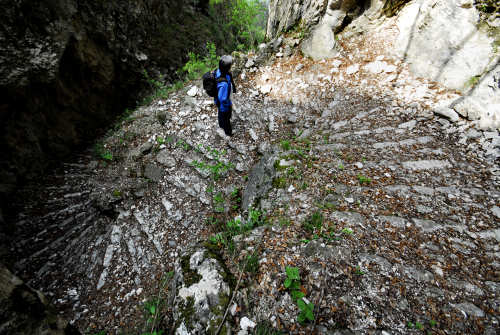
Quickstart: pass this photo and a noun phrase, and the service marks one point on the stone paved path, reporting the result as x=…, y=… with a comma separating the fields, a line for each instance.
x=411, y=203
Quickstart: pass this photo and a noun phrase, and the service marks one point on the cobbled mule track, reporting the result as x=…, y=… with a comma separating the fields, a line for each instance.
x=410, y=203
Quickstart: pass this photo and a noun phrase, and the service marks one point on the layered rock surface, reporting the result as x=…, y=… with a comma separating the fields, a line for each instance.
x=409, y=203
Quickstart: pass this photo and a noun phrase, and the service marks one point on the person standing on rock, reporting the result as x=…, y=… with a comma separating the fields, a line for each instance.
x=223, y=98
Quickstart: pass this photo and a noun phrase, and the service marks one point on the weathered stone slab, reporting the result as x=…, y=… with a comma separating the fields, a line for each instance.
x=426, y=164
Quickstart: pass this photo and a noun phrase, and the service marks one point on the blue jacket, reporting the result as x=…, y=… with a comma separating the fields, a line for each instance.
x=223, y=100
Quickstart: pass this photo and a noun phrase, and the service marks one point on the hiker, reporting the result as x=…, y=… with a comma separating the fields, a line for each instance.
x=223, y=102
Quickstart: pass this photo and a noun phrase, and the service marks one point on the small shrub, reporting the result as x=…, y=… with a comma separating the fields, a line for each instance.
x=252, y=264
x=314, y=222
x=347, y=231
x=364, y=180
x=279, y=182
x=285, y=145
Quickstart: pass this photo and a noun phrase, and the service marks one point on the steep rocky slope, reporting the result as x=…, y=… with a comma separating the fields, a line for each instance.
x=68, y=68
x=406, y=203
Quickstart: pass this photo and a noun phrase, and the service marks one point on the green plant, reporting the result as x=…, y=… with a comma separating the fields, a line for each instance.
x=160, y=140
x=313, y=222
x=156, y=307
x=472, y=81
x=279, y=182
x=159, y=89
x=252, y=264
x=347, y=231
x=358, y=271
x=364, y=180
x=419, y=326
x=102, y=152
x=432, y=323
x=216, y=169
x=248, y=20
x=341, y=166
x=410, y=325
x=264, y=328
x=292, y=283
x=306, y=311
x=219, y=202
x=285, y=145
x=284, y=222
x=196, y=65
x=117, y=193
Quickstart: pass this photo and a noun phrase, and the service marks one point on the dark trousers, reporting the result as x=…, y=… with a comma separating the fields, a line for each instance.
x=225, y=121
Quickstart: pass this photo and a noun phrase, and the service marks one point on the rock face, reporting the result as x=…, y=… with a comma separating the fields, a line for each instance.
x=321, y=43
x=465, y=59
x=284, y=14
x=26, y=311
x=68, y=68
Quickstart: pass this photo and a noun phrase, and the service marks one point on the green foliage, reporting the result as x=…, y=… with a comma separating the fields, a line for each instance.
x=313, y=222
x=248, y=21
x=102, y=152
x=472, y=81
x=284, y=222
x=419, y=326
x=252, y=264
x=306, y=311
x=279, y=182
x=285, y=145
x=347, y=231
x=292, y=281
x=432, y=323
x=196, y=66
x=158, y=88
x=264, y=328
x=358, y=271
x=216, y=169
x=364, y=180
x=219, y=202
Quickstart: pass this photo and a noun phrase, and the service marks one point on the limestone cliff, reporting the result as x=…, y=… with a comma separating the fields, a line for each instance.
x=465, y=59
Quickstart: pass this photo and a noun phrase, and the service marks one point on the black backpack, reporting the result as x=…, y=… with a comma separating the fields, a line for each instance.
x=210, y=83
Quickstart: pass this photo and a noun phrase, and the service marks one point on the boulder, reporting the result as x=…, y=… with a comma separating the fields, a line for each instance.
x=202, y=292
x=260, y=179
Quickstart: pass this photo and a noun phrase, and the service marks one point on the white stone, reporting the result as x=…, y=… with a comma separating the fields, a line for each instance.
x=291, y=189
x=265, y=89
x=448, y=113
x=496, y=211
x=253, y=135
x=246, y=323
x=375, y=67
x=192, y=91
x=352, y=69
